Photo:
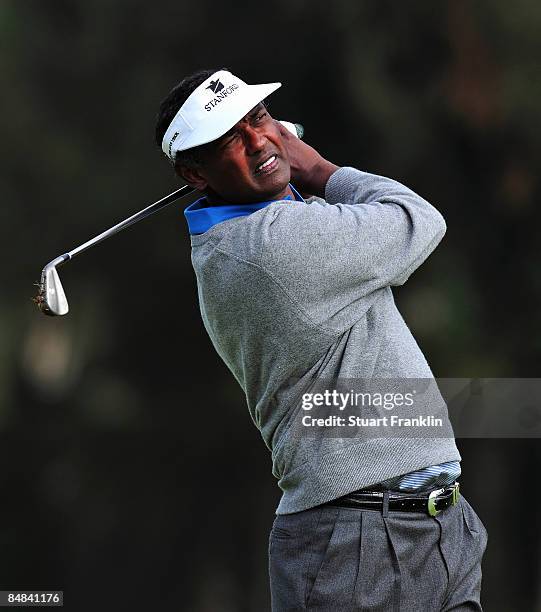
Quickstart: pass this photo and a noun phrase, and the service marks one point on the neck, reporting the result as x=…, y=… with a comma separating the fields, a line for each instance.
x=214, y=199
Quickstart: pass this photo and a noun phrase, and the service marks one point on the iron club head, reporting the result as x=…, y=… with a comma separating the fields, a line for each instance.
x=51, y=299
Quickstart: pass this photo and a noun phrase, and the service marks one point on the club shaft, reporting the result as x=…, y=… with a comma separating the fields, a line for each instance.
x=139, y=216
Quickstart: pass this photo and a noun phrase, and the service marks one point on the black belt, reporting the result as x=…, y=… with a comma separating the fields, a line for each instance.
x=431, y=502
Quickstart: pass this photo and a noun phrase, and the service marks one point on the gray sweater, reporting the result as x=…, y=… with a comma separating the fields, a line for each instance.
x=299, y=290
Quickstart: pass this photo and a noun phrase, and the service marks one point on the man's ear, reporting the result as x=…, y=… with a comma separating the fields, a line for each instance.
x=192, y=176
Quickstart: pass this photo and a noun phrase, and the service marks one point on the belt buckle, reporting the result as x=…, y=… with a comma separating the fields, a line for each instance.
x=431, y=502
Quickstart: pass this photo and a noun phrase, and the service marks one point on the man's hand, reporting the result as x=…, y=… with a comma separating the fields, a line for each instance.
x=309, y=170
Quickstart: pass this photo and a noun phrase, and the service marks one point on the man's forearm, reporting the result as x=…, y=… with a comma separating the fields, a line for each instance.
x=316, y=178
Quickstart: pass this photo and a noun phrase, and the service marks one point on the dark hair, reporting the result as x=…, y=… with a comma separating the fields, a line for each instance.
x=169, y=108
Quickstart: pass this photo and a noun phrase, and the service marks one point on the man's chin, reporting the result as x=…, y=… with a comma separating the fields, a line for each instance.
x=272, y=187
x=261, y=189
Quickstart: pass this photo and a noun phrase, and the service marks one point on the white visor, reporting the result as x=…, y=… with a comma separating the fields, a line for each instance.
x=211, y=110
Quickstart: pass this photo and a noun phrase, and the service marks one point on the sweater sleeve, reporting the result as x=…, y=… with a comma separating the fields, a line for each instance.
x=371, y=232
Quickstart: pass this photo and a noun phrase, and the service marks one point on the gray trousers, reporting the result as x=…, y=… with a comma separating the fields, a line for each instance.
x=342, y=559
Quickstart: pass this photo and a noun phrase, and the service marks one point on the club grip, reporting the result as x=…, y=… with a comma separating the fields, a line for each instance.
x=295, y=128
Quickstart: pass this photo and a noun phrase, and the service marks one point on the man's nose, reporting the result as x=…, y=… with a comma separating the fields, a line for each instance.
x=254, y=140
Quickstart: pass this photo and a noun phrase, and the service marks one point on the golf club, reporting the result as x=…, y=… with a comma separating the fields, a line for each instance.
x=51, y=299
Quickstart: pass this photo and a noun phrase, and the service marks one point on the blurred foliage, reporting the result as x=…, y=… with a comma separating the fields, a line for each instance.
x=119, y=419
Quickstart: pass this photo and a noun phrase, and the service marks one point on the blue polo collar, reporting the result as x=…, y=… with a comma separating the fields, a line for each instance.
x=201, y=218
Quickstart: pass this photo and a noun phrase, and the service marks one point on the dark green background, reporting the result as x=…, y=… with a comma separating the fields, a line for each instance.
x=131, y=471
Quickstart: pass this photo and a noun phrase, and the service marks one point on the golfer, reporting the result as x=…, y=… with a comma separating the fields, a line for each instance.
x=295, y=259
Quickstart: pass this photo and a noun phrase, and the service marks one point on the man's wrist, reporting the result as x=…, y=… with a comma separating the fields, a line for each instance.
x=320, y=175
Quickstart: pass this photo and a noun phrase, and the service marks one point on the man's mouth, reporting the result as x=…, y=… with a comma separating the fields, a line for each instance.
x=267, y=166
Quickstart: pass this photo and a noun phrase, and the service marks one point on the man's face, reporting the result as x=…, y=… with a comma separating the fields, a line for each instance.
x=248, y=164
